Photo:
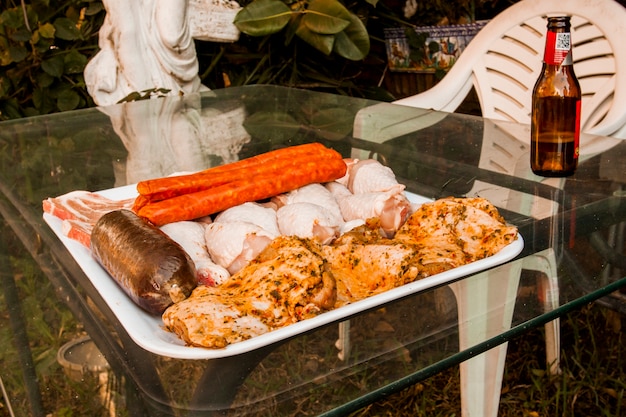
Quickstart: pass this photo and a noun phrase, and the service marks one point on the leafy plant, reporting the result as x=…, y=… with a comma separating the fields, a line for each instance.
x=44, y=47
x=327, y=25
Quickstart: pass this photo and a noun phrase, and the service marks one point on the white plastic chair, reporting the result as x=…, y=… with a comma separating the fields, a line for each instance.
x=502, y=63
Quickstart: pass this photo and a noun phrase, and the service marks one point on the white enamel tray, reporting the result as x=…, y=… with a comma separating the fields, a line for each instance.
x=148, y=332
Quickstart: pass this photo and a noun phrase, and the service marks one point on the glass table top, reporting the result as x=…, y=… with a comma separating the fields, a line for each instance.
x=573, y=231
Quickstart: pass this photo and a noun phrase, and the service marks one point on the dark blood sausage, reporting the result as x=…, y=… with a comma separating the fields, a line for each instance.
x=150, y=267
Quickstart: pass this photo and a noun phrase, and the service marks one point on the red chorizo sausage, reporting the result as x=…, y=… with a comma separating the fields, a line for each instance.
x=254, y=188
x=274, y=161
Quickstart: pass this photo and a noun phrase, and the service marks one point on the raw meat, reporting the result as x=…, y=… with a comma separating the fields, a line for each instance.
x=288, y=282
x=258, y=214
x=294, y=278
x=364, y=263
x=456, y=231
x=391, y=206
x=190, y=235
x=80, y=210
x=232, y=245
x=308, y=220
x=152, y=269
x=370, y=175
x=314, y=194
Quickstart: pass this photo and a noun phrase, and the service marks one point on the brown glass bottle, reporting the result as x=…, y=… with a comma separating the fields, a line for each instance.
x=555, y=123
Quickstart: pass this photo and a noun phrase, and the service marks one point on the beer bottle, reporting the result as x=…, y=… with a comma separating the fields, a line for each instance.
x=555, y=123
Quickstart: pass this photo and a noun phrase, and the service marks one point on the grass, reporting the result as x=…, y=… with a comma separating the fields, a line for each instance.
x=592, y=381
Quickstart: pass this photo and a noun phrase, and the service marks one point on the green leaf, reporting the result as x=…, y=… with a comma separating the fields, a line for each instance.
x=94, y=8
x=74, y=62
x=9, y=109
x=290, y=32
x=5, y=87
x=354, y=42
x=277, y=127
x=12, y=18
x=21, y=35
x=18, y=53
x=332, y=123
x=43, y=45
x=323, y=43
x=66, y=29
x=53, y=66
x=263, y=17
x=47, y=30
x=44, y=79
x=326, y=17
x=42, y=101
x=433, y=47
x=68, y=100
x=5, y=54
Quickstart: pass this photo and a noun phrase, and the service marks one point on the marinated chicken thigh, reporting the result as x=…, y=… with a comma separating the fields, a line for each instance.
x=451, y=232
x=294, y=278
x=289, y=281
x=364, y=263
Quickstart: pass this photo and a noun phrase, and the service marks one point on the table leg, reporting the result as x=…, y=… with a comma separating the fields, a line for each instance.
x=18, y=328
x=222, y=378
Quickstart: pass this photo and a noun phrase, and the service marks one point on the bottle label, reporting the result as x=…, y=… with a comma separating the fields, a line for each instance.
x=558, y=49
x=577, y=131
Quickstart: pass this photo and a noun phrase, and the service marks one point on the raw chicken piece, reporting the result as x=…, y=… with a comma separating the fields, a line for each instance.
x=313, y=193
x=391, y=207
x=233, y=244
x=338, y=190
x=254, y=213
x=308, y=220
x=190, y=235
x=369, y=175
x=288, y=282
x=350, y=225
x=349, y=163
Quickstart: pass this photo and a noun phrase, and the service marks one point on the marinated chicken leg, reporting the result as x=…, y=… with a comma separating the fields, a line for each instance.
x=287, y=282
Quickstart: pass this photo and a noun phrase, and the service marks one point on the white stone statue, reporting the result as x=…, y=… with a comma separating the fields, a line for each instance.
x=175, y=134
x=149, y=44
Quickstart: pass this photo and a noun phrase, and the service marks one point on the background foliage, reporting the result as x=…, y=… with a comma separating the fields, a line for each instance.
x=45, y=45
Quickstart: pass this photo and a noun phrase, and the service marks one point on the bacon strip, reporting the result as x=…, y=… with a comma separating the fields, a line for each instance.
x=78, y=230
x=80, y=210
